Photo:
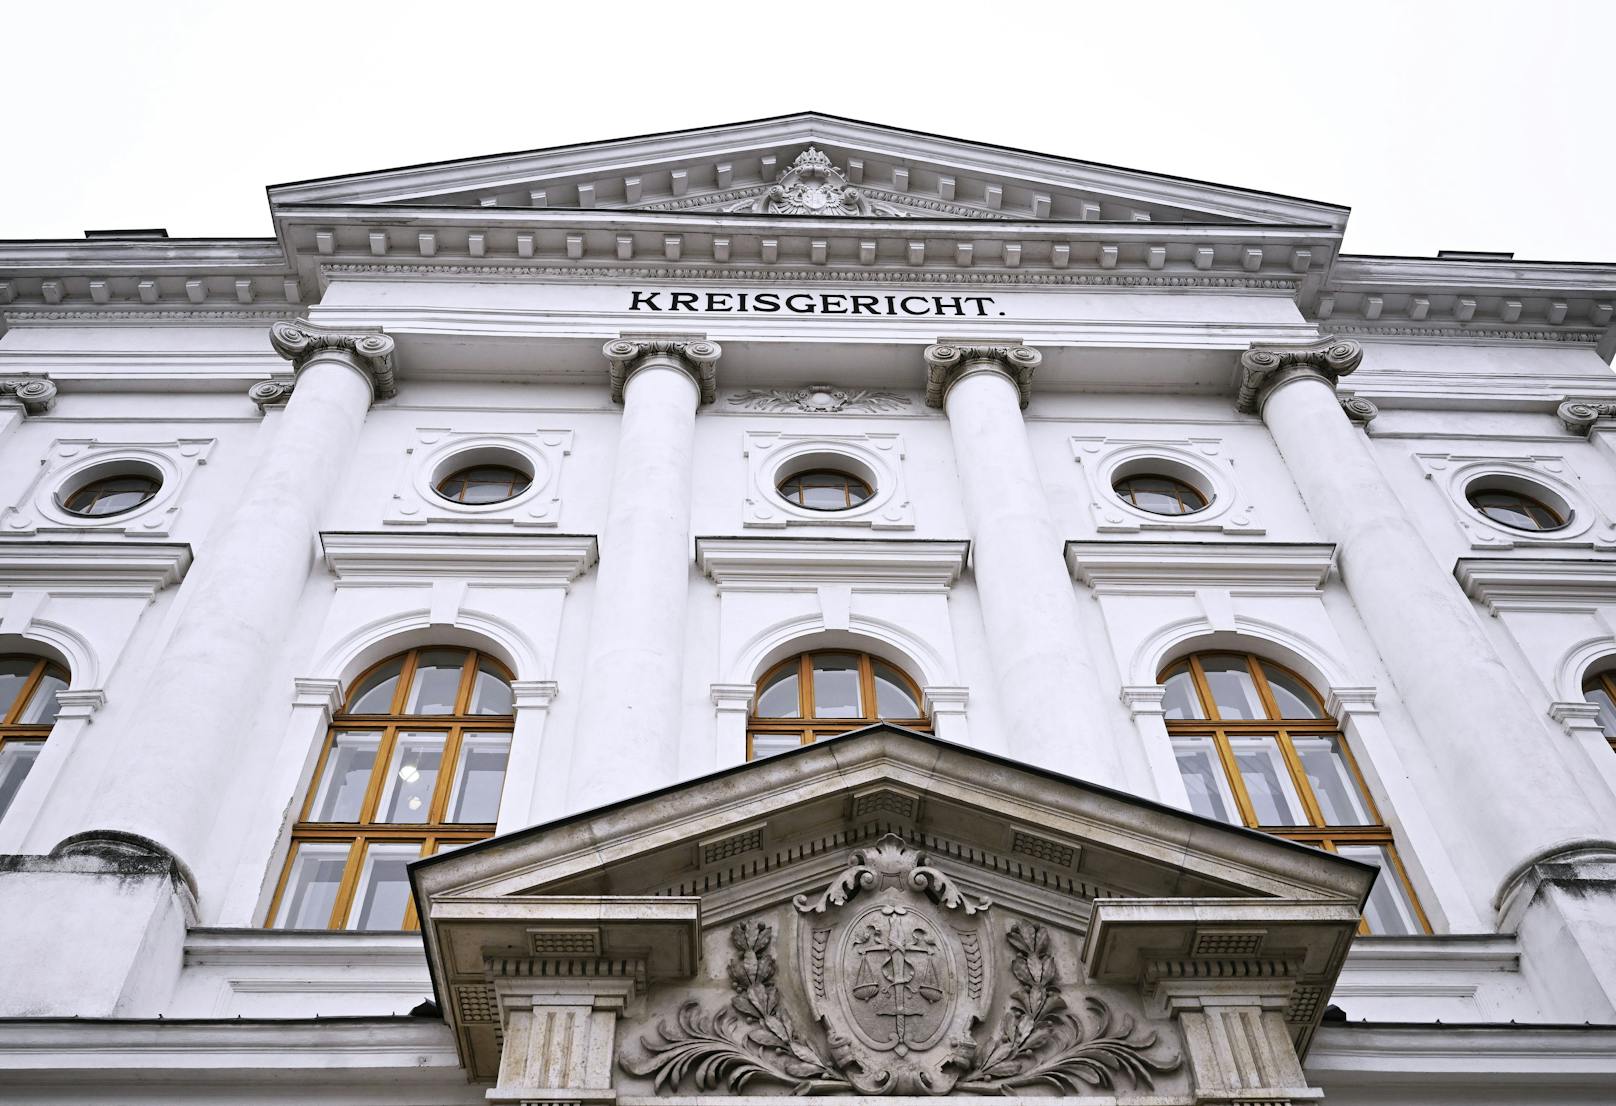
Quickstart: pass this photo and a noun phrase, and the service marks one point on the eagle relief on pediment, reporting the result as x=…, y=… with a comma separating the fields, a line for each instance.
x=905, y=984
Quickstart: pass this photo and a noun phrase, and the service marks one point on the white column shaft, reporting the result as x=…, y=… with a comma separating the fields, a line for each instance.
x=1511, y=796
x=199, y=707
x=1028, y=606
x=627, y=741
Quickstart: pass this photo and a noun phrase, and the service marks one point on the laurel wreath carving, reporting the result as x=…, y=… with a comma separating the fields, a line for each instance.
x=1041, y=1042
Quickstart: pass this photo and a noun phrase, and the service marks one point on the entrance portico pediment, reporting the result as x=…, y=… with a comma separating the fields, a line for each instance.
x=883, y=913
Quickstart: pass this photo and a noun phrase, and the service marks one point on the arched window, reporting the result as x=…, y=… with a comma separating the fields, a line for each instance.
x=413, y=765
x=1600, y=690
x=1256, y=748
x=822, y=694
x=28, y=687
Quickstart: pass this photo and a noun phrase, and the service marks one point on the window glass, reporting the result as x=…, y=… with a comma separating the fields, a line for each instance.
x=42, y=707
x=374, y=694
x=14, y=673
x=1268, y=782
x=341, y=795
x=16, y=758
x=1181, y=700
x=311, y=886
x=484, y=484
x=825, y=490
x=1515, y=509
x=767, y=744
x=110, y=495
x=1388, y=911
x=1229, y=679
x=1204, y=779
x=436, y=683
x=778, y=699
x=1596, y=694
x=411, y=777
x=836, y=686
x=479, y=777
x=892, y=698
x=382, y=895
x=490, y=694
x=1291, y=696
x=1335, y=790
x=1160, y=495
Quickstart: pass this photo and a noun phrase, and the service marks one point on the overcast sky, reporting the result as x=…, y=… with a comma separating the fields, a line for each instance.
x=1475, y=125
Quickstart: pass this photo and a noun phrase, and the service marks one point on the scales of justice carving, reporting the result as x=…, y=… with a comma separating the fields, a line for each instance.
x=811, y=185
x=895, y=967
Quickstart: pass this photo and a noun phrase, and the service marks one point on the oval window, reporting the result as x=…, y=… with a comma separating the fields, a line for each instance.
x=1514, y=509
x=824, y=490
x=111, y=495
x=478, y=484
x=1160, y=495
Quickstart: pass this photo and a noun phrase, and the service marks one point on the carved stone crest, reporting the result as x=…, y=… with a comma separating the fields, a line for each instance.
x=819, y=398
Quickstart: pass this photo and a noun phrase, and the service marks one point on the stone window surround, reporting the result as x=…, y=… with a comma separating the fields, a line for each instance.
x=1196, y=460
x=875, y=457
x=438, y=451
x=1547, y=477
x=72, y=462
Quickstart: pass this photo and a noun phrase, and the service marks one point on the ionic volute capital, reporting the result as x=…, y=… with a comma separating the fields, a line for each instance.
x=371, y=354
x=1263, y=368
x=1581, y=416
x=694, y=356
x=35, y=393
x=947, y=364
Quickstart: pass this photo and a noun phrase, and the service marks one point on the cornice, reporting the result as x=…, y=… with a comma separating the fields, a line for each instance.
x=1537, y=583
x=1178, y=567
x=802, y=564
x=93, y=567
x=544, y=560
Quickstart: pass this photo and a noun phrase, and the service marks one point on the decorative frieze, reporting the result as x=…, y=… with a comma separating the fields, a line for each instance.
x=1263, y=368
x=819, y=399
x=371, y=354
x=947, y=365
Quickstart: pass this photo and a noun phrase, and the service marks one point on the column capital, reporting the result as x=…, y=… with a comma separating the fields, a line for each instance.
x=371, y=353
x=947, y=364
x=271, y=393
x=1582, y=415
x=35, y=393
x=693, y=355
x=1263, y=368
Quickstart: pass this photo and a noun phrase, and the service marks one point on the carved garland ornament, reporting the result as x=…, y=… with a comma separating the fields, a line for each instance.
x=818, y=398
x=898, y=985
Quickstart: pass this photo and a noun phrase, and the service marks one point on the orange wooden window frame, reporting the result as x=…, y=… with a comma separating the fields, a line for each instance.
x=809, y=728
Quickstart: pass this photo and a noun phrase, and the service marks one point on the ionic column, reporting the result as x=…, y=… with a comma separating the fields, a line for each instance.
x=187, y=736
x=1049, y=696
x=1512, y=798
x=627, y=740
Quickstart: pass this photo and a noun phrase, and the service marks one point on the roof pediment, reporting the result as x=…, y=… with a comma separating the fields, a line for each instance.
x=812, y=164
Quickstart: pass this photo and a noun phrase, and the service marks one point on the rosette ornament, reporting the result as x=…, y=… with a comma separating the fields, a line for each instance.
x=947, y=365
x=35, y=393
x=1263, y=368
x=371, y=354
x=695, y=356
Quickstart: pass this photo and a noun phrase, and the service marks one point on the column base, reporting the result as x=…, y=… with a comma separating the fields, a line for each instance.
x=94, y=929
x=1563, y=907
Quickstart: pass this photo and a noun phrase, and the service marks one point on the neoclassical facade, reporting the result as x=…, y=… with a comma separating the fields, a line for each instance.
x=803, y=607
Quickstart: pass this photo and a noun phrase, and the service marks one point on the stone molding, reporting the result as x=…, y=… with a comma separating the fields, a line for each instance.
x=1576, y=862
x=36, y=394
x=947, y=364
x=1264, y=368
x=1181, y=567
x=73, y=462
x=693, y=355
x=1582, y=416
x=801, y=564
x=531, y=560
x=369, y=353
x=94, y=567
x=819, y=399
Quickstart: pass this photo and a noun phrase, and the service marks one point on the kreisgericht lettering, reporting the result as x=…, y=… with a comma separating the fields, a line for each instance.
x=895, y=305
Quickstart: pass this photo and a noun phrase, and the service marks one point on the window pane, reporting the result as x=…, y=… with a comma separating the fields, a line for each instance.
x=411, y=777
x=375, y=694
x=42, y=707
x=16, y=758
x=479, y=776
x=1388, y=910
x=1232, y=690
x=767, y=744
x=1339, y=798
x=1268, y=783
x=892, y=698
x=1181, y=700
x=1607, y=709
x=341, y=796
x=490, y=694
x=437, y=682
x=383, y=892
x=778, y=699
x=1210, y=795
x=1291, y=695
x=14, y=672
x=311, y=888
x=836, y=686
x=821, y=497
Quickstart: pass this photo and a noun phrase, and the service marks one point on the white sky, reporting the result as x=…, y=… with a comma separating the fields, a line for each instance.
x=1475, y=125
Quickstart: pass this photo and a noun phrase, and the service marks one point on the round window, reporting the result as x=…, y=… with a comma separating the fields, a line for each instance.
x=483, y=484
x=825, y=490
x=111, y=495
x=1515, y=509
x=1160, y=495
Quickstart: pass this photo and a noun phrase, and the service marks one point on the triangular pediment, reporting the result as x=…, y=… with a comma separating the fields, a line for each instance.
x=853, y=168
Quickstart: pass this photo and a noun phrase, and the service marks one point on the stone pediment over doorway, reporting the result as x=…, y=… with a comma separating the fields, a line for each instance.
x=886, y=913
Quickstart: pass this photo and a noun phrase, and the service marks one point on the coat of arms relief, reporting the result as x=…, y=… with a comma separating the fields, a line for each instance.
x=898, y=967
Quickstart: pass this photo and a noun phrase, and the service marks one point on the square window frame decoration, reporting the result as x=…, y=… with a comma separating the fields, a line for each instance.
x=877, y=457
x=71, y=461
x=1452, y=474
x=1198, y=461
x=437, y=450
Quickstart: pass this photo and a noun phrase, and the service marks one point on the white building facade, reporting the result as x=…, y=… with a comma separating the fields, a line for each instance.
x=803, y=606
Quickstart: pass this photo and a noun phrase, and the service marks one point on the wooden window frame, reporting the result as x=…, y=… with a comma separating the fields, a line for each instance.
x=1530, y=500
x=809, y=728
x=1179, y=488
x=1606, y=681
x=511, y=490
x=360, y=834
x=96, y=496
x=1317, y=832
x=848, y=479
